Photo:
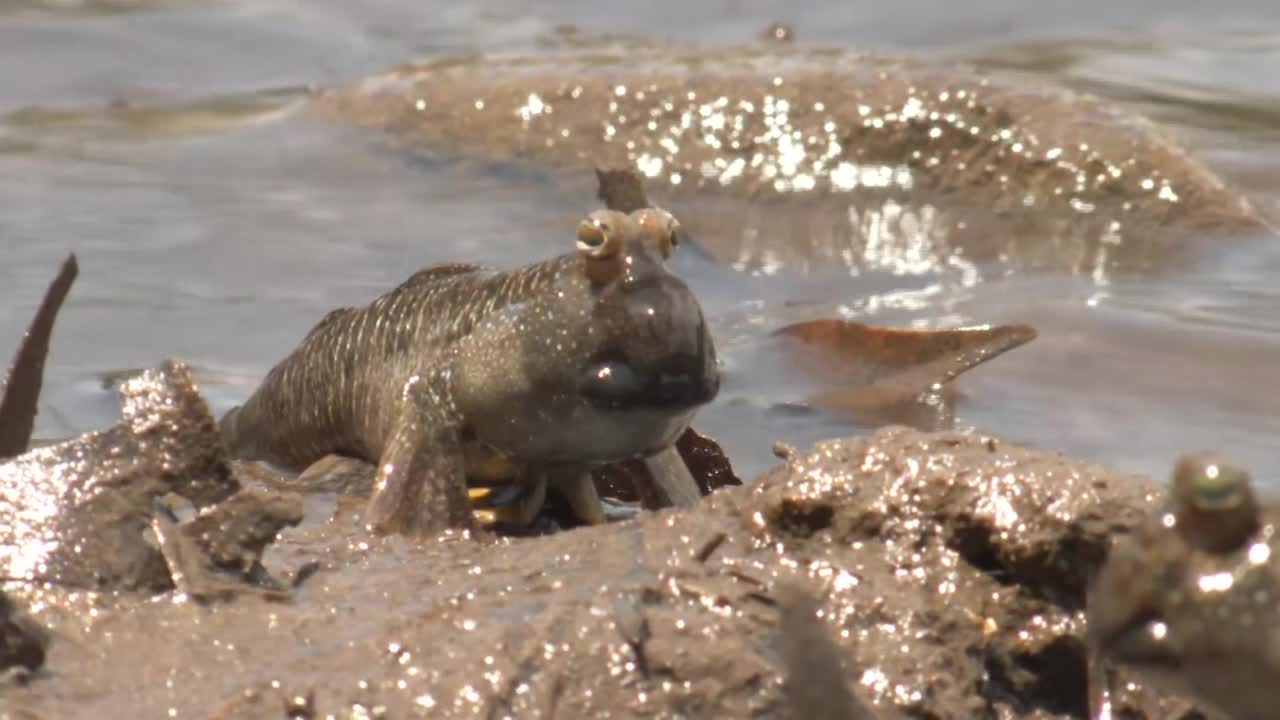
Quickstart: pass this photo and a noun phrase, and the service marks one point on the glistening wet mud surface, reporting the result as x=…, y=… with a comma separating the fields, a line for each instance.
x=949, y=589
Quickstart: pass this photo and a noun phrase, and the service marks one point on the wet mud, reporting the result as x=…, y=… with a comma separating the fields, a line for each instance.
x=22, y=640
x=780, y=158
x=83, y=513
x=949, y=570
x=97, y=513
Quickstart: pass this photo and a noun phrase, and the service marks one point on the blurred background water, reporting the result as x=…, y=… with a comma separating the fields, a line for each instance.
x=159, y=141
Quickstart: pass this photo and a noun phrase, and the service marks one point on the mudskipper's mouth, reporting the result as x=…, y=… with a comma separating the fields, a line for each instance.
x=676, y=382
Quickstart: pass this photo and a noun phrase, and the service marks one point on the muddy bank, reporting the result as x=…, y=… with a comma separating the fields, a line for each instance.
x=100, y=512
x=809, y=159
x=951, y=570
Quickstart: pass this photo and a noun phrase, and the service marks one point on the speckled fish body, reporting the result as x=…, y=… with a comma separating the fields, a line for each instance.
x=539, y=366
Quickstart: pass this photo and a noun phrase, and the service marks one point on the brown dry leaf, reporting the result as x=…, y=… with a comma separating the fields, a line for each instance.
x=21, y=393
x=878, y=375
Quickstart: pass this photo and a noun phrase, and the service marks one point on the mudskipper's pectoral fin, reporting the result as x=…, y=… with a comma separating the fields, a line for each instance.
x=579, y=489
x=672, y=482
x=421, y=487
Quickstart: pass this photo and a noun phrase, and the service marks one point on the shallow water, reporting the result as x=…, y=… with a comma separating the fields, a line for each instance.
x=158, y=140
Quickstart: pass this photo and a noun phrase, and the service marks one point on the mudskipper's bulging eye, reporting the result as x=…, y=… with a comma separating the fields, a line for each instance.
x=661, y=227
x=1213, y=503
x=591, y=234
x=602, y=236
x=1209, y=484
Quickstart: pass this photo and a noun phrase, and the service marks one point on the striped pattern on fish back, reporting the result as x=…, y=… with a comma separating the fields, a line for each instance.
x=339, y=391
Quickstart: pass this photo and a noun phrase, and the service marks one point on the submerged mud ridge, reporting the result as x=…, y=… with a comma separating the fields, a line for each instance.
x=785, y=158
x=950, y=571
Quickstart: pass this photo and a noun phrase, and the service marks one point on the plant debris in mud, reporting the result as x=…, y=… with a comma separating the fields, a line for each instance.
x=20, y=397
x=816, y=685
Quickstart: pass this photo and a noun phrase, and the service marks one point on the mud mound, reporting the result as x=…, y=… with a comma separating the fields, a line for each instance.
x=950, y=571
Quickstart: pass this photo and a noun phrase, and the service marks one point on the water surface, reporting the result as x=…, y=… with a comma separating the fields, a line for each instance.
x=160, y=141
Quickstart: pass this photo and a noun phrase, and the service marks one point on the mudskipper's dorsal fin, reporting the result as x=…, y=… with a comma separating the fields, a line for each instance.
x=329, y=318
x=439, y=271
x=429, y=274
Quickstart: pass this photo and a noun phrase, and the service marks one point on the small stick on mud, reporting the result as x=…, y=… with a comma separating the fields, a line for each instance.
x=21, y=393
x=709, y=547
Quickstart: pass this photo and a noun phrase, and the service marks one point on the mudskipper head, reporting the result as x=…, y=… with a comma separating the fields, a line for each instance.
x=609, y=361
x=651, y=348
